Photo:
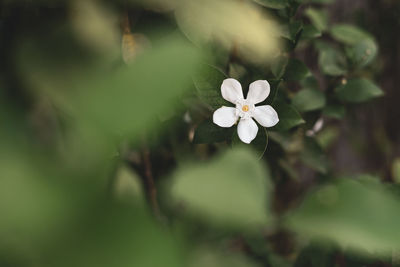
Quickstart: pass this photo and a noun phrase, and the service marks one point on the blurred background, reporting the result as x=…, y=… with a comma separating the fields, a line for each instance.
x=109, y=157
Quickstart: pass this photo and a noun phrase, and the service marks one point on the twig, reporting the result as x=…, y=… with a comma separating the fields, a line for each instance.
x=151, y=187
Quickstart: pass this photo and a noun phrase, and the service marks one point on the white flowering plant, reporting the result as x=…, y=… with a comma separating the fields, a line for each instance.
x=168, y=133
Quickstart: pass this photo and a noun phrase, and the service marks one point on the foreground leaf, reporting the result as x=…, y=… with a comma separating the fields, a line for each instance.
x=232, y=190
x=358, y=215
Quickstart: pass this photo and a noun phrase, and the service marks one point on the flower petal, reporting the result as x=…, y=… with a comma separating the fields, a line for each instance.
x=231, y=90
x=258, y=91
x=247, y=130
x=225, y=117
x=265, y=115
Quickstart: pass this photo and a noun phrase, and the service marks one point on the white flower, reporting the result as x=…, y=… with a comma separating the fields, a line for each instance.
x=245, y=109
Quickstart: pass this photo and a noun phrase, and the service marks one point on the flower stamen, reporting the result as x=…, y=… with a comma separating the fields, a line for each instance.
x=245, y=108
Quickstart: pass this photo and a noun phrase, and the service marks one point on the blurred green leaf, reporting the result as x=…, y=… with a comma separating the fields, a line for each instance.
x=292, y=30
x=208, y=82
x=117, y=235
x=259, y=144
x=216, y=257
x=309, y=99
x=332, y=61
x=358, y=90
x=336, y=111
x=316, y=255
x=318, y=17
x=296, y=70
x=362, y=53
x=288, y=116
x=274, y=4
x=232, y=190
x=396, y=170
x=278, y=67
x=357, y=215
x=128, y=186
x=349, y=34
x=310, y=32
x=313, y=156
x=208, y=132
x=124, y=101
x=134, y=92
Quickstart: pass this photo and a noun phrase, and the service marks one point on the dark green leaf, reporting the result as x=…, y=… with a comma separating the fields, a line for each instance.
x=332, y=61
x=296, y=70
x=288, y=116
x=362, y=53
x=278, y=67
x=358, y=90
x=208, y=84
x=208, y=132
x=319, y=18
x=336, y=111
x=313, y=156
x=310, y=32
x=259, y=144
x=309, y=99
x=349, y=34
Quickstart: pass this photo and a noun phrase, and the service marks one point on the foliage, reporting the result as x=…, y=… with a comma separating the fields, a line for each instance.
x=111, y=158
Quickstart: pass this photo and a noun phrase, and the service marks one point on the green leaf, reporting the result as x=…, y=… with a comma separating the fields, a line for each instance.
x=317, y=255
x=319, y=18
x=208, y=132
x=309, y=99
x=332, y=61
x=274, y=4
x=208, y=82
x=259, y=144
x=278, y=67
x=313, y=156
x=296, y=70
x=356, y=215
x=216, y=257
x=396, y=170
x=231, y=190
x=358, y=90
x=362, y=53
x=336, y=111
x=288, y=116
x=310, y=32
x=124, y=101
x=349, y=34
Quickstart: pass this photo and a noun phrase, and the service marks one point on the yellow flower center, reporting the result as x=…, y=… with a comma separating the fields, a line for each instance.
x=245, y=108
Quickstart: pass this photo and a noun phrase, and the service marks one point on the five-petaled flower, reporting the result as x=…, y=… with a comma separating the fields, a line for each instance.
x=245, y=109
